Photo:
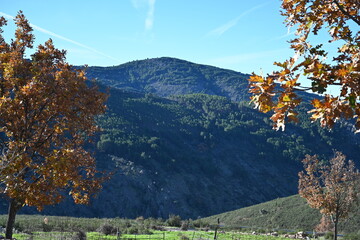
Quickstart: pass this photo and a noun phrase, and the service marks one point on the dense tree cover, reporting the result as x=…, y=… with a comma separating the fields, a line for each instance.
x=331, y=188
x=47, y=112
x=341, y=20
x=157, y=145
x=144, y=127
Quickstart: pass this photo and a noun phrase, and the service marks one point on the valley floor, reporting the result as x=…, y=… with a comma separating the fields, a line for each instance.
x=157, y=235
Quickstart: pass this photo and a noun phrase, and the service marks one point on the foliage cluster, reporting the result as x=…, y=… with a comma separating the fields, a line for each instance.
x=107, y=229
x=174, y=221
x=320, y=64
x=46, y=111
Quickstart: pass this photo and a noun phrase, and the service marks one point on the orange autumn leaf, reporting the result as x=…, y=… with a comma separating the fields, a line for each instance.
x=342, y=20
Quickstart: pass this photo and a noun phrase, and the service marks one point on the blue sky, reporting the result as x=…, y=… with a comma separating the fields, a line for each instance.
x=246, y=36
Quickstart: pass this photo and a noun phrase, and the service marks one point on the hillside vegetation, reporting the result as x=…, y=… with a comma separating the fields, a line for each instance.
x=195, y=154
x=289, y=213
x=170, y=76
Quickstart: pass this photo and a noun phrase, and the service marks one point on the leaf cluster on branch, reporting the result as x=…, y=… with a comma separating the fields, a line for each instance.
x=277, y=92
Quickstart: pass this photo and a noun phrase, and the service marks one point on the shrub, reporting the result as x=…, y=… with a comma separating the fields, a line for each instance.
x=198, y=223
x=329, y=235
x=132, y=230
x=80, y=235
x=158, y=228
x=184, y=226
x=46, y=227
x=174, y=221
x=107, y=229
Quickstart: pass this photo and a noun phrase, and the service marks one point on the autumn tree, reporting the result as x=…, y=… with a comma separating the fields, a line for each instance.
x=278, y=92
x=47, y=113
x=331, y=188
x=325, y=224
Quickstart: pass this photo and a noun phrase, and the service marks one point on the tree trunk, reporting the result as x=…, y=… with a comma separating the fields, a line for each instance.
x=14, y=206
x=335, y=229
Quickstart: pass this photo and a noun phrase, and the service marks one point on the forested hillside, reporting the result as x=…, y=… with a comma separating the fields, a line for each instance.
x=193, y=154
x=170, y=76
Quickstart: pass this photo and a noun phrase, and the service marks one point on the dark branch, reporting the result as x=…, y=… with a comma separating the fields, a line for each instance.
x=346, y=13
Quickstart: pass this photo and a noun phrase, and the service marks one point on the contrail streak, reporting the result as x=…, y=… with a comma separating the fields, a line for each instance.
x=225, y=27
x=63, y=38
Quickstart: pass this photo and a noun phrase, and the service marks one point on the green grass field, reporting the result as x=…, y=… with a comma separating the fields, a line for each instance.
x=160, y=235
x=283, y=215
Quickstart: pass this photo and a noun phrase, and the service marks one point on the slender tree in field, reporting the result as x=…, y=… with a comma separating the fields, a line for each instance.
x=330, y=188
x=47, y=113
x=341, y=20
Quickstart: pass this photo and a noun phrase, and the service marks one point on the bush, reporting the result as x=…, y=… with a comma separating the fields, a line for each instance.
x=132, y=230
x=158, y=228
x=329, y=235
x=174, y=221
x=184, y=226
x=198, y=223
x=46, y=227
x=107, y=229
x=80, y=235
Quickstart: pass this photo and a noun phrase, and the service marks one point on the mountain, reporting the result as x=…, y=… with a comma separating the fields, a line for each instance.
x=170, y=76
x=180, y=138
x=166, y=77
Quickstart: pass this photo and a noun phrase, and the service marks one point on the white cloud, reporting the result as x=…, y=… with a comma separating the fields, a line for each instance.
x=63, y=38
x=150, y=4
x=225, y=27
x=149, y=21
